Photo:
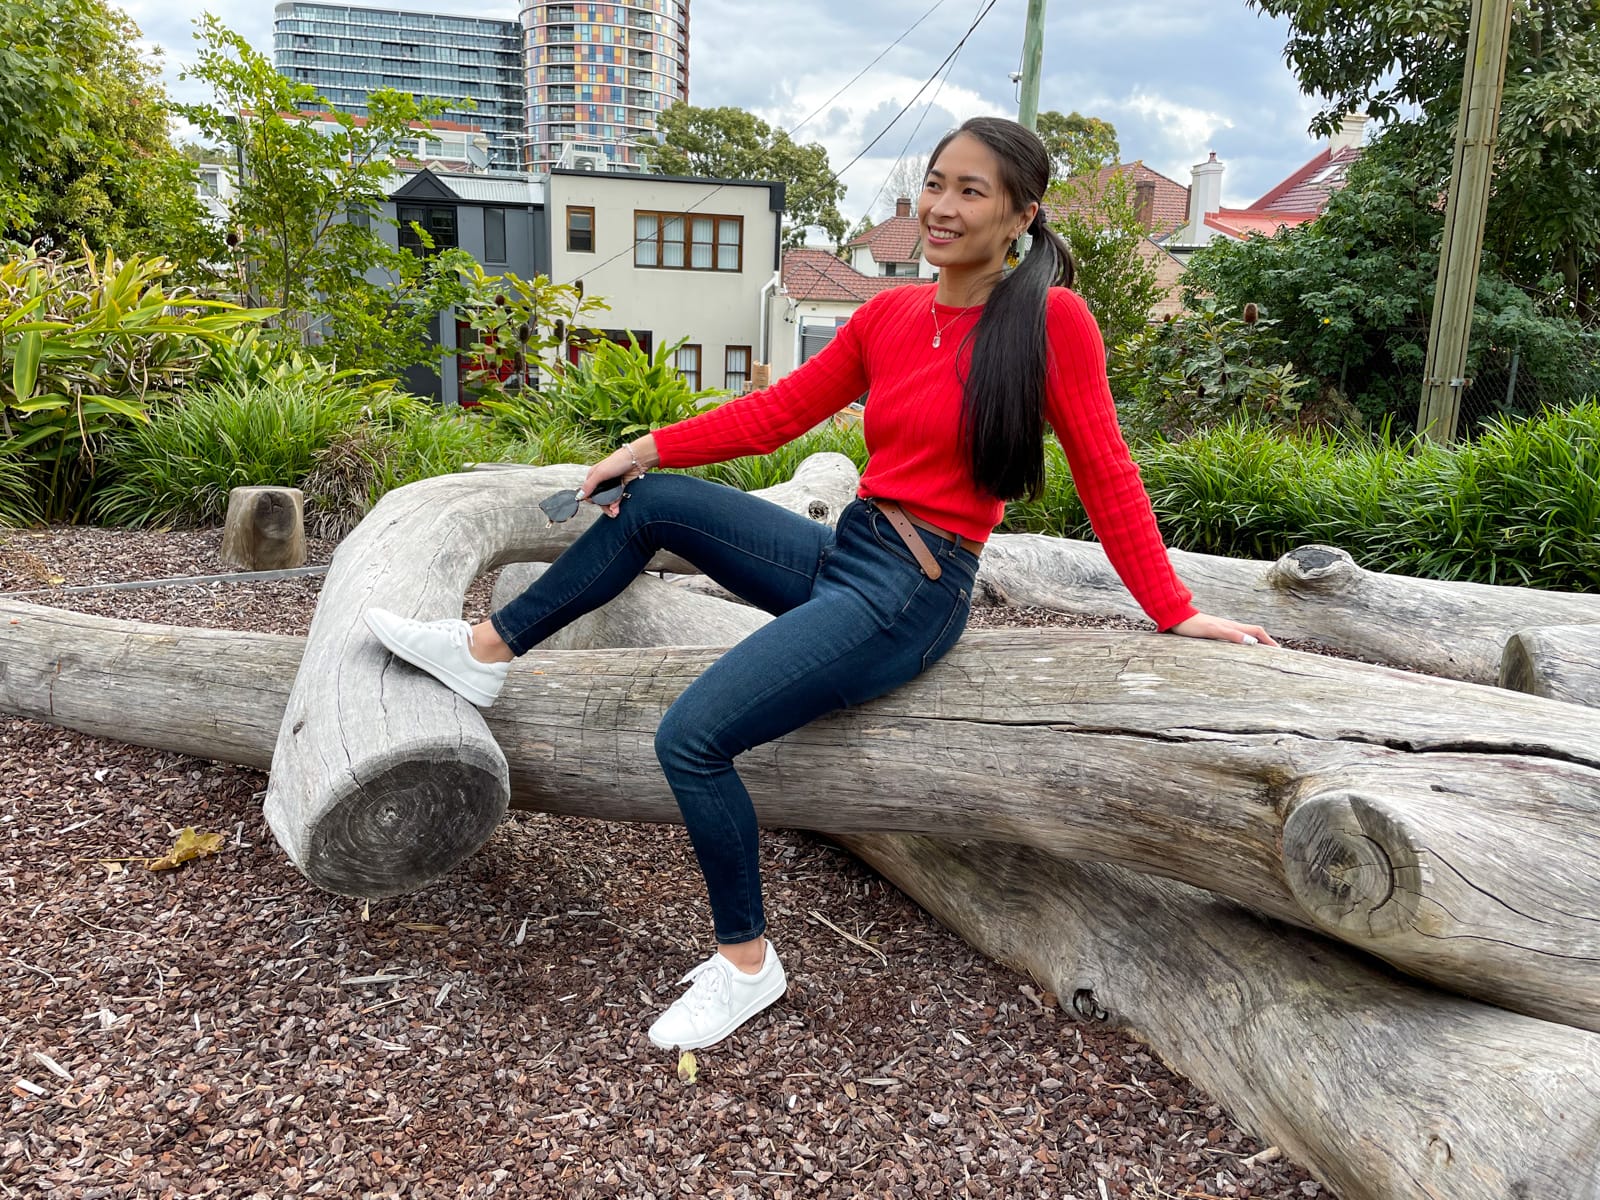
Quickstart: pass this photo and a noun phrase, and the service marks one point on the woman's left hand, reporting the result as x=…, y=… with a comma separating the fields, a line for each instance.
x=1220, y=629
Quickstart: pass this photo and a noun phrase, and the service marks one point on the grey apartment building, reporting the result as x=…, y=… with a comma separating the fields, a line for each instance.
x=347, y=52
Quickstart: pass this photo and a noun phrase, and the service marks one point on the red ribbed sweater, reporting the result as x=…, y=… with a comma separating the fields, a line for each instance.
x=913, y=419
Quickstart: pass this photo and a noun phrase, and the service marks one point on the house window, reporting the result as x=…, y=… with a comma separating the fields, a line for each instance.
x=562, y=112
x=580, y=229
x=439, y=222
x=687, y=361
x=736, y=368
x=494, y=235
x=563, y=54
x=687, y=241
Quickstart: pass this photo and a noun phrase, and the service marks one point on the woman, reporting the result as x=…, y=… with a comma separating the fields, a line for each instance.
x=963, y=375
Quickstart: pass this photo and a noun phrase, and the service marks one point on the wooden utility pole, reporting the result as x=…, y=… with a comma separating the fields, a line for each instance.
x=1444, y=376
x=1032, y=64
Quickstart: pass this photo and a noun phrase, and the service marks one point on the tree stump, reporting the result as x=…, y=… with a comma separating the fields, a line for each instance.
x=1561, y=662
x=265, y=529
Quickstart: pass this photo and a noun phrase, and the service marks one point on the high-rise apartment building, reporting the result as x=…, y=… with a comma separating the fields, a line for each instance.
x=597, y=75
x=348, y=52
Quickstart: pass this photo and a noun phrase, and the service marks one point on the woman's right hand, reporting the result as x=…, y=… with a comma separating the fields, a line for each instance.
x=629, y=461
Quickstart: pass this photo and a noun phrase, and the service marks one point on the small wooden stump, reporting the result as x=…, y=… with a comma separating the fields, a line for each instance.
x=265, y=529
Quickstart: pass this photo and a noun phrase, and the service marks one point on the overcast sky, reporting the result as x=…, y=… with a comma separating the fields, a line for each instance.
x=1177, y=81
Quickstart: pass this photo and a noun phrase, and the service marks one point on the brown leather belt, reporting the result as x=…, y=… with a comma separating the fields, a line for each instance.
x=906, y=525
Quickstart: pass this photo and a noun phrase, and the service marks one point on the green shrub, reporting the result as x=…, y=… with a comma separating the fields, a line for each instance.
x=1200, y=370
x=618, y=391
x=17, y=505
x=1519, y=506
x=179, y=467
x=86, y=346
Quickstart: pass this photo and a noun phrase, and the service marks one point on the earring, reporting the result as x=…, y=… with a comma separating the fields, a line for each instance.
x=1012, y=257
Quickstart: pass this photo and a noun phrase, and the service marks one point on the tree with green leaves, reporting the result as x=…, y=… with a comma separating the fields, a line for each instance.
x=729, y=143
x=85, y=157
x=1077, y=144
x=1352, y=292
x=307, y=209
x=1402, y=61
x=1100, y=224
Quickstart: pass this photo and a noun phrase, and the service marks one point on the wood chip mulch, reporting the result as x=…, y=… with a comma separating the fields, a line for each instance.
x=225, y=1029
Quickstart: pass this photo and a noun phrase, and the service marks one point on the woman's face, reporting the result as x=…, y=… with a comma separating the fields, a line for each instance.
x=968, y=220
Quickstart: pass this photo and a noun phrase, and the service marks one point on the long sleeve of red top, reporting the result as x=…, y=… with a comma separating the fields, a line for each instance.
x=913, y=421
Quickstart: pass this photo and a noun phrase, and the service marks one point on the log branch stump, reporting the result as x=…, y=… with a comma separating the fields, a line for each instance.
x=382, y=778
x=265, y=529
x=1561, y=662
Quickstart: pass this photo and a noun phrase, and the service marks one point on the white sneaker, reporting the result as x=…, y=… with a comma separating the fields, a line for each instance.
x=721, y=999
x=443, y=650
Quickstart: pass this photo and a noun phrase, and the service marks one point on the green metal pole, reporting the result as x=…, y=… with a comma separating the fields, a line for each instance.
x=1444, y=375
x=1032, y=64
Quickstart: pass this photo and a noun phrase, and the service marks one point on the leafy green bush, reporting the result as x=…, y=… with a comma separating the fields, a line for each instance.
x=178, y=467
x=16, y=493
x=1202, y=369
x=87, y=345
x=618, y=391
x=1519, y=506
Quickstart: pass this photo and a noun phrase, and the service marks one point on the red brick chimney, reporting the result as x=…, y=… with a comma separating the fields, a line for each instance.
x=902, y=206
x=1144, y=203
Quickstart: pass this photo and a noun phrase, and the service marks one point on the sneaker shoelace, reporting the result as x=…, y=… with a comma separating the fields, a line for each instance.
x=710, y=986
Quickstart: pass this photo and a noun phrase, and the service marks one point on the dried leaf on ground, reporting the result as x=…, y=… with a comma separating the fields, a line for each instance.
x=189, y=845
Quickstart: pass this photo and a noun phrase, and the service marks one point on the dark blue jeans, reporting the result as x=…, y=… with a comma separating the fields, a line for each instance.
x=856, y=617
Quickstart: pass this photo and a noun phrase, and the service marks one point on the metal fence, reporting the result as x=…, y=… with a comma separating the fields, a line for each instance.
x=1514, y=381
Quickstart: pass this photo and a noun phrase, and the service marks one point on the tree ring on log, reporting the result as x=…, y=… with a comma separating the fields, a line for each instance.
x=408, y=821
x=1354, y=864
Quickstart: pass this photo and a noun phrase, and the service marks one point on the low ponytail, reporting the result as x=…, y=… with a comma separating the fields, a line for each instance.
x=1002, y=410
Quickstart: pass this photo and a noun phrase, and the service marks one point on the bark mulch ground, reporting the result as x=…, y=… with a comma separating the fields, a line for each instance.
x=225, y=1029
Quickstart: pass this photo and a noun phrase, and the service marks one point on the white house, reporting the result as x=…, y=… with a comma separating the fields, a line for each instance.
x=675, y=258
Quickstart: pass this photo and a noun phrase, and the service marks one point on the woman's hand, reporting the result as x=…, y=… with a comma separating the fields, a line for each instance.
x=630, y=462
x=1220, y=629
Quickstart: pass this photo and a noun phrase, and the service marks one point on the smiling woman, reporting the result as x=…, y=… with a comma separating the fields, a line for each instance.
x=953, y=427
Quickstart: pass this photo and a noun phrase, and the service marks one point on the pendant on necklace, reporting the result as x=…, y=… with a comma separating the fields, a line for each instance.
x=936, y=341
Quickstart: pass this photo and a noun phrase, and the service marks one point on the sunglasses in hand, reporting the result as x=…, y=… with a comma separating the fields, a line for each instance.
x=563, y=505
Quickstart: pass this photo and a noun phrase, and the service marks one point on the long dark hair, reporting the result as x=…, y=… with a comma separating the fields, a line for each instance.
x=1002, y=409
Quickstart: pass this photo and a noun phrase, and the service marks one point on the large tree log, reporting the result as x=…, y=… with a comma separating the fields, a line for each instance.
x=1459, y=838
x=1561, y=662
x=1384, y=1088
x=1454, y=630
x=381, y=779
x=1227, y=998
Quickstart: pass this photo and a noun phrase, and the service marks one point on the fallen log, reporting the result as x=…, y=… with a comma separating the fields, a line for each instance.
x=1454, y=834
x=265, y=529
x=1227, y=998
x=1453, y=630
x=381, y=779
x=1384, y=1089
x=1560, y=662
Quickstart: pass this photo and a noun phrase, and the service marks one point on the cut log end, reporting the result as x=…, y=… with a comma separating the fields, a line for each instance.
x=403, y=828
x=1355, y=865
x=1323, y=568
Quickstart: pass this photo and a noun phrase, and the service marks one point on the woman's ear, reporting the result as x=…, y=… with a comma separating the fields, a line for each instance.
x=1030, y=213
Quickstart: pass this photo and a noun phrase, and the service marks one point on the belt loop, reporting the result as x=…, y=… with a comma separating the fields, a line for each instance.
x=909, y=535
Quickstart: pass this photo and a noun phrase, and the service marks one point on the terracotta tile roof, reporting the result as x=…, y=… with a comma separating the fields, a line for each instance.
x=894, y=240
x=817, y=275
x=1242, y=222
x=1308, y=189
x=1171, y=200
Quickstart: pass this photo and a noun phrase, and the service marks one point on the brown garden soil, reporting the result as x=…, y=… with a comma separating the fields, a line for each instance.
x=226, y=1029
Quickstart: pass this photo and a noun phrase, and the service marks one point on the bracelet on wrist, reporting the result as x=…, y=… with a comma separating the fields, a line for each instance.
x=634, y=458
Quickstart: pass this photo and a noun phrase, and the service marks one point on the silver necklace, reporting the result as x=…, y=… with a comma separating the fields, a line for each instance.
x=938, y=332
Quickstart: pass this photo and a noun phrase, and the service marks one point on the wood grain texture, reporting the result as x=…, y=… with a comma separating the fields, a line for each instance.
x=1385, y=1089
x=1453, y=630
x=1450, y=829
x=382, y=778
x=1561, y=662
x=265, y=529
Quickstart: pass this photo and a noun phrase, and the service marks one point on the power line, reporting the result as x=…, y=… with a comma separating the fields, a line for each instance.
x=869, y=66
x=834, y=175
x=900, y=158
